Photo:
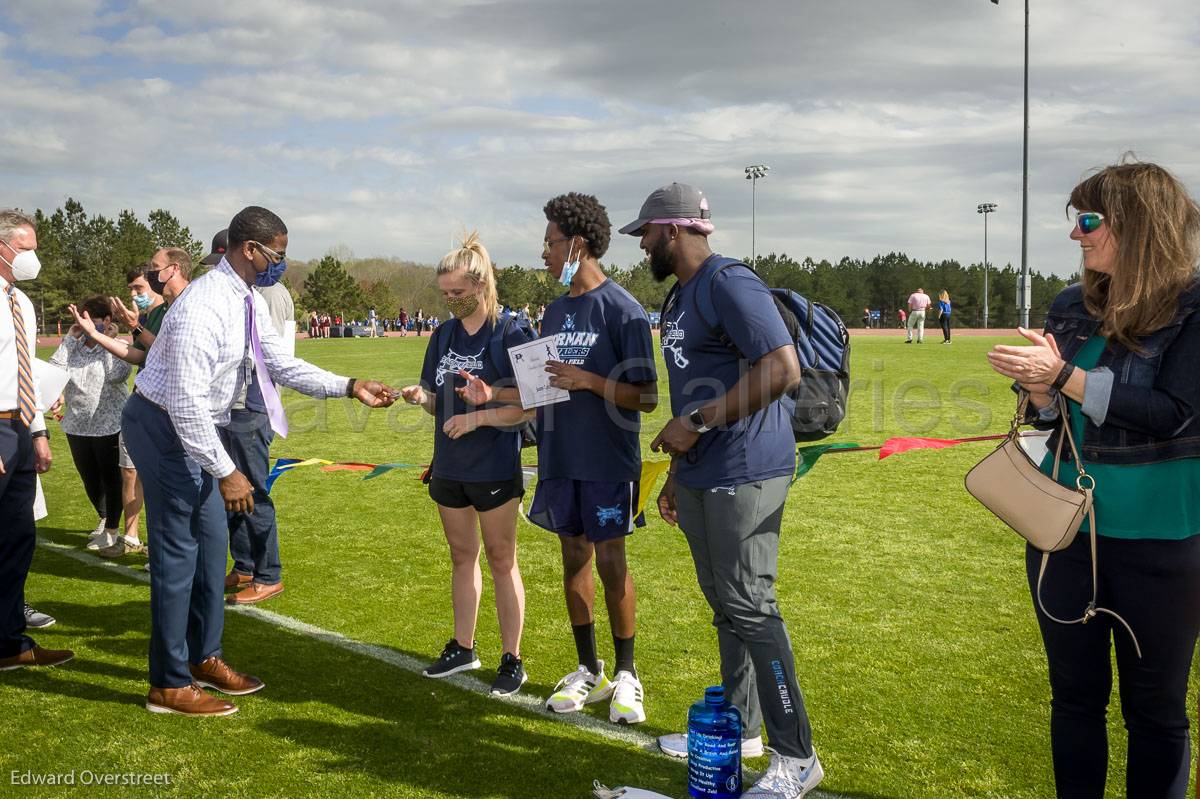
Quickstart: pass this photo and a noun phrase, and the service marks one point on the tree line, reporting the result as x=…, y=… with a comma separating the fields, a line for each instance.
x=83, y=255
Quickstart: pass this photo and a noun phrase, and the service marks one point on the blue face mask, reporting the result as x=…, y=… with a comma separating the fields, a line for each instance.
x=142, y=301
x=569, y=269
x=271, y=276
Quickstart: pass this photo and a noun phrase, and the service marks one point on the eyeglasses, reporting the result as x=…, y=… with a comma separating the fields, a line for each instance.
x=272, y=256
x=548, y=243
x=1088, y=221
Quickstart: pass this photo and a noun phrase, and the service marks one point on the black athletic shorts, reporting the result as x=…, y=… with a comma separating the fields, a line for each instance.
x=481, y=496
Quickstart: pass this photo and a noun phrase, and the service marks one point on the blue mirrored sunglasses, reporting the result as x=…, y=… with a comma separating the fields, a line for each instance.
x=1088, y=221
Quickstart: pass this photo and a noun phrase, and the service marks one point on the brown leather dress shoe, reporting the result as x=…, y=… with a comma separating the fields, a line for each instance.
x=187, y=701
x=255, y=592
x=36, y=657
x=235, y=580
x=215, y=673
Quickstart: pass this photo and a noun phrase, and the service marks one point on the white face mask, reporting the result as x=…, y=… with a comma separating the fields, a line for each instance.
x=25, y=265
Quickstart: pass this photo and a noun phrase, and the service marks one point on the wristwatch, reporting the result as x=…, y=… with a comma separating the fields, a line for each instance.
x=698, y=423
x=137, y=331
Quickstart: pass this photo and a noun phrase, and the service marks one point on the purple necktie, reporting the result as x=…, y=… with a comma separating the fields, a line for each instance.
x=270, y=396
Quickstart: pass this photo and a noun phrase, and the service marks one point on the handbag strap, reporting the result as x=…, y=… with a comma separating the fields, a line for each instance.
x=1091, y=610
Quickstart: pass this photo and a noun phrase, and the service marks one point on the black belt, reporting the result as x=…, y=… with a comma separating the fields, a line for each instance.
x=147, y=400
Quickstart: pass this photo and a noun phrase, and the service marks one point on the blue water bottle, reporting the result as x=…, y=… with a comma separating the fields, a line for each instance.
x=714, y=747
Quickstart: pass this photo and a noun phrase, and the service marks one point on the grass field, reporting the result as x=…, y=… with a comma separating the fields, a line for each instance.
x=913, y=631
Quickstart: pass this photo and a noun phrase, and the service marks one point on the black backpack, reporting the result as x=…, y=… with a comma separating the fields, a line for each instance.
x=817, y=404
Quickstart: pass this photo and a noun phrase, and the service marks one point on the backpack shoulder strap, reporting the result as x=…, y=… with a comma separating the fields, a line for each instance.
x=435, y=339
x=704, y=300
x=496, y=340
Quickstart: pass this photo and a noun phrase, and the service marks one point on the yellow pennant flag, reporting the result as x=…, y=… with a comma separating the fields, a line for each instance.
x=651, y=471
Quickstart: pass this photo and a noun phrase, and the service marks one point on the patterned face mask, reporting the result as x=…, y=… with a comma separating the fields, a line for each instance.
x=462, y=307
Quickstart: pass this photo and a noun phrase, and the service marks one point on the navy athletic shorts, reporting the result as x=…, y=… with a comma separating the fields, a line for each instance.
x=598, y=510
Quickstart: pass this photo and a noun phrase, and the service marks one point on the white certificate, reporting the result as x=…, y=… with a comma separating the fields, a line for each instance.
x=51, y=381
x=533, y=381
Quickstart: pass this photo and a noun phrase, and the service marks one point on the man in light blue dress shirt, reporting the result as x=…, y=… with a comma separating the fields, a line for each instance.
x=191, y=378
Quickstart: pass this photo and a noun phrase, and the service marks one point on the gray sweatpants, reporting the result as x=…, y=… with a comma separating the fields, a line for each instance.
x=733, y=533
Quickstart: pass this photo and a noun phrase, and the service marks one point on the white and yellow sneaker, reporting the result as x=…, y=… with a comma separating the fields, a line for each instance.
x=579, y=688
x=626, y=704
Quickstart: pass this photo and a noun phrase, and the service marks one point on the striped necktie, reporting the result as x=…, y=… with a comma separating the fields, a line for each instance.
x=25, y=402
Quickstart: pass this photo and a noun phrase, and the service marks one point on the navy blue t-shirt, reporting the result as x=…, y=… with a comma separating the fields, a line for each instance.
x=604, y=331
x=700, y=367
x=487, y=454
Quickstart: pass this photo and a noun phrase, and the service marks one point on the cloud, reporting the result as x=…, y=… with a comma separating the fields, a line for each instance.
x=391, y=126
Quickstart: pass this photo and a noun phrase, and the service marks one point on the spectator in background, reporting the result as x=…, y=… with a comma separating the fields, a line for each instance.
x=944, y=315
x=866, y=317
x=918, y=301
x=314, y=325
x=403, y=322
x=161, y=279
x=420, y=321
x=372, y=332
x=902, y=316
x=95, y=395
x=257, y=572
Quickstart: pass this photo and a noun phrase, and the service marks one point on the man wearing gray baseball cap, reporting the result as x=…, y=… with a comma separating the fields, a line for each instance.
x=729, y=358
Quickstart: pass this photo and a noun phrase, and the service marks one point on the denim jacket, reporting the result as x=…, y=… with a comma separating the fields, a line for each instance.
x=1140, y=407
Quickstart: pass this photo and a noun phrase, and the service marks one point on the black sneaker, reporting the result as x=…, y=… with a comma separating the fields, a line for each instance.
x=453, y=660
x=510, y=676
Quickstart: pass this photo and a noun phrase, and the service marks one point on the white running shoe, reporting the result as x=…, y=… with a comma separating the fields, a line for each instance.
x=675, y=745
x=787, y=778
x=626, y=704
x=579, y=688
x=104, y=540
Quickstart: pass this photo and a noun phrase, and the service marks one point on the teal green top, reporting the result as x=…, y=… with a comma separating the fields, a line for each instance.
x=1155, y=500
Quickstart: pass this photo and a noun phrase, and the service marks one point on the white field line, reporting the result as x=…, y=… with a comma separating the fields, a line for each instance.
x=583, y=721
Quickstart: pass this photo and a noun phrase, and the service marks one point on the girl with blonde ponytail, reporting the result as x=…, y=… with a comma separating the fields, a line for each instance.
x=476, y=472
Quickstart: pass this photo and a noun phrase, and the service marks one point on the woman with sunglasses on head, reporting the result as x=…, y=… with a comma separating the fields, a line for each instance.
x=1122, y=346
x=476, y=476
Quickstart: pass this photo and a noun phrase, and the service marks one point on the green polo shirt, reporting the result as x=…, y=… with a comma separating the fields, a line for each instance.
x=153, y=322
x=1155, y=500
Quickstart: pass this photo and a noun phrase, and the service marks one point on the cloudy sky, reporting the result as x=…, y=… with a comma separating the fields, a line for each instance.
x=388, y=126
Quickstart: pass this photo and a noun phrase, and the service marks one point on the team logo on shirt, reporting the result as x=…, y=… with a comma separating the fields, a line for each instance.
x=672, y=341
x=452, y=362
x=606, y=515
x=574, y=345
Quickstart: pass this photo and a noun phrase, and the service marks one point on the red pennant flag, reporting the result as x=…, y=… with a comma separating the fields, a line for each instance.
x=894, y=446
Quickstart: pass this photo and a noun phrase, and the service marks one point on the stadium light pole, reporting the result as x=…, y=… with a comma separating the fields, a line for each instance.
x=1023, y=290
x=753, y=173
x=985, y=209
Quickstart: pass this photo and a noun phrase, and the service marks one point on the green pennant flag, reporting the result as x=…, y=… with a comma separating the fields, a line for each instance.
x=384, y=468
x=807, y=456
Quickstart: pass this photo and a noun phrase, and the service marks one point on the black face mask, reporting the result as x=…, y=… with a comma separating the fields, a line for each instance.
x=156, y=285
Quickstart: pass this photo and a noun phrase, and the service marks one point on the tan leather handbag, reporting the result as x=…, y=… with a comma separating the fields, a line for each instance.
x=1010, y=485
x=1041, y=510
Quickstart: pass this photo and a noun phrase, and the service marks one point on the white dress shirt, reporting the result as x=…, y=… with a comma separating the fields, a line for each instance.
x=8, y=353
x=196, y=368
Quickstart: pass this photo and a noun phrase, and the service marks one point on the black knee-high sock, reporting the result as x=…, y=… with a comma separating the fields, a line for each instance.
x=624, y=647
x=585, y=646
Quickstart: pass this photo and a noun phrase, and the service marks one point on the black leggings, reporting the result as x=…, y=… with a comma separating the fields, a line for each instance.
x=1155, y=586
x=945, y=320
x=97, y=459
